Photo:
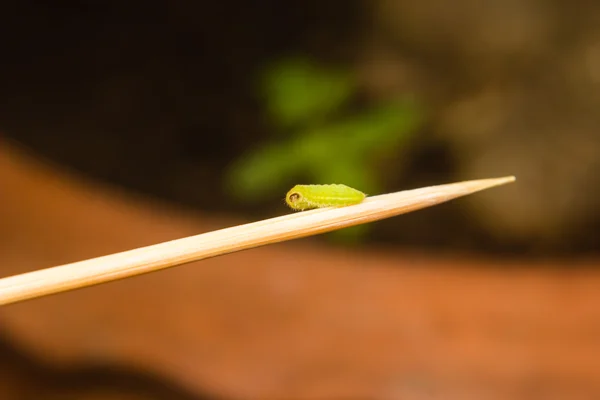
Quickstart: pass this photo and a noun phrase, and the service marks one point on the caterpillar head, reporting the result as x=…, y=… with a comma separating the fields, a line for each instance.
x=296, y=200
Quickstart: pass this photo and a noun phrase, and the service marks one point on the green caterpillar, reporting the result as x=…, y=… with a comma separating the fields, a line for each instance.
x=305, y=197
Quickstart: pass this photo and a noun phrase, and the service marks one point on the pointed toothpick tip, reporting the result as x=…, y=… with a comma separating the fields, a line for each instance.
x=482, y=184
x=491, y=182
x=506, y=179
x=464, y=188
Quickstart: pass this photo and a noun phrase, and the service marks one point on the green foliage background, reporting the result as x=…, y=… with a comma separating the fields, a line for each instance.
x=318, y=138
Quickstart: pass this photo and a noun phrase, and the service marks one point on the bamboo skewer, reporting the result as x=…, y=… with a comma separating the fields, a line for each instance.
x=169, y=254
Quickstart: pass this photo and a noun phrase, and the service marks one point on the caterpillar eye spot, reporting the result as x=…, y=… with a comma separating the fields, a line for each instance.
x=294, y=197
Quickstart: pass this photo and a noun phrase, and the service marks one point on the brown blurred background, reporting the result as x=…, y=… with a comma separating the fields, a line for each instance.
x=120, y=123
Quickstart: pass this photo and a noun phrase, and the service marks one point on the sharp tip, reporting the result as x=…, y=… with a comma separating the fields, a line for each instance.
x=468, y=187
x=482, y=184
x=496, y=181
x=505, y=179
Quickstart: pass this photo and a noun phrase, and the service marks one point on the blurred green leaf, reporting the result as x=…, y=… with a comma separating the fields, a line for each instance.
x=324, y=144
x=299, y=92
x=338, y=152
x=351, y=235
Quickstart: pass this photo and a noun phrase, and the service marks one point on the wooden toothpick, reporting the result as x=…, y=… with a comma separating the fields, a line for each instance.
x=164, y=255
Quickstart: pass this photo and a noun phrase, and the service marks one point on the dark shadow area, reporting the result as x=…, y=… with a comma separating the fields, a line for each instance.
x=153, y=96
x=23, y=377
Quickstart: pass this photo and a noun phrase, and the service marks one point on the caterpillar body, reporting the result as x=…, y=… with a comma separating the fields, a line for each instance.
x=306, y=197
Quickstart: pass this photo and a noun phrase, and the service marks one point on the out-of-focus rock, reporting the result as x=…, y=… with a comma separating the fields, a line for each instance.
x=517, y=92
